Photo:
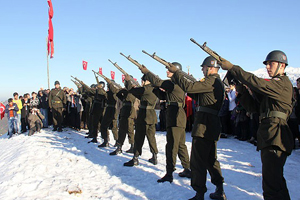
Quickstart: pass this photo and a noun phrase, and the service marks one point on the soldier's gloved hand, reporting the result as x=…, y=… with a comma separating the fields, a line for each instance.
x=144, y=69
x=127, y=77
x=172, y=68
x=225, y=64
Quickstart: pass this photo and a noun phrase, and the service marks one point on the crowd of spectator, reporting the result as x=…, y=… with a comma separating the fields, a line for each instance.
x=32, y=113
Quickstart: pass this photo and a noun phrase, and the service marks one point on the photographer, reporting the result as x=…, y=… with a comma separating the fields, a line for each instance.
x=35, y=121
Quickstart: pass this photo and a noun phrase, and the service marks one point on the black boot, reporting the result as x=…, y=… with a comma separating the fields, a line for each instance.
x=104, y=144
x=59, y=129
x=153, y=160
x=219, y=193
x=89, y=136
x=54, y=129
x=198, y=196
x=94, y=140
x=133, y=162
x=130, y=150
x=185, y=173
x=167, y=177
x=117, y=151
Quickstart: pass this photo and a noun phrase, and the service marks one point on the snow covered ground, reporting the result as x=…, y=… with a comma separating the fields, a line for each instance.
x=52, y=165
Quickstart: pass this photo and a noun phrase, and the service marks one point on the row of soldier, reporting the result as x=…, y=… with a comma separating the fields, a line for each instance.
x=274, y=136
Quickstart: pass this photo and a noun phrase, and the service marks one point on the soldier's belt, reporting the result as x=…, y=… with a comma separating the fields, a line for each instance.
x=127, y=104
x=277, y=114
x=146, y=107
x=56, y=101
x=173, y=103
x=110, y=105
x=207, y=110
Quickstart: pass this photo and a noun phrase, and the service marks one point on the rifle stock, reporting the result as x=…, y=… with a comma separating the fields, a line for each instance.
x=123, y=72
x=207, y=50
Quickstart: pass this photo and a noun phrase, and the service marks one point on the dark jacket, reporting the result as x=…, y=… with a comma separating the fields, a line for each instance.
x=209, y=94
x=57, y=98
x=174, y=96
x=272, y=95
x=43, y=101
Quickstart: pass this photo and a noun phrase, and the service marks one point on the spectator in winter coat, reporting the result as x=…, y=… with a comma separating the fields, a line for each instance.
x=25, y=113
x=43, y=106
x=11, y=110
x=74, y=109
x=231, y=97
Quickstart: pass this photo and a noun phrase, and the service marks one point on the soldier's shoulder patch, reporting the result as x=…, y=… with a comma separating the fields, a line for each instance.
x=202, y=80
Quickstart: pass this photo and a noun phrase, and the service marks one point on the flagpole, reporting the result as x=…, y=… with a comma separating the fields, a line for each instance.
x=48, y=66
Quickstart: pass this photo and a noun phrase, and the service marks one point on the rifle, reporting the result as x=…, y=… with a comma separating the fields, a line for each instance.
x=105, y=78
x=133, y=61
x=207, y=50
x=167, y=64
x=228, y=77
x=122, y=70
x=83, y=84
x=77, y=84
x=97, y=79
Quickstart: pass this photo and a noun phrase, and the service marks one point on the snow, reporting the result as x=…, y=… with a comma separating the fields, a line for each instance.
x=52, y=165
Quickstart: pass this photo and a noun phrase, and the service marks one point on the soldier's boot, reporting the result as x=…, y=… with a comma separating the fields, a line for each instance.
x=117, y=151
x=133, y=162
x=198, y=196
x=59, y=130
x=130, y=150
x=153, y=160
x=167, y=177
x=219, y=194
x=89, y=136
x=55, y=128
x=185, y=173
x=94, y=140
x=104, y=144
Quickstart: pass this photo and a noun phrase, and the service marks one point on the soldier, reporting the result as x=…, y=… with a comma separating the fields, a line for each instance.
x=176, y=122
x=89, y=95
x=145, y=123
x=126, y=123
x=274, y=99
x=111, y=114
x=208, y=94
x=97, y=110
x=57, y=102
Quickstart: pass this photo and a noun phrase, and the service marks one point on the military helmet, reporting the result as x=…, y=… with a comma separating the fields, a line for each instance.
x=177, y=64
x=210, y=62
x=56, y=83
x=277, y=56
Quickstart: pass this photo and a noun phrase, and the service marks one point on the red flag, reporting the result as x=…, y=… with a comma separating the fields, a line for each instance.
x=2, y=110
x=50, y=9
x=112, y=74
x=100, y=70
x=50, y=44
x=123, y=78
x=84, y=64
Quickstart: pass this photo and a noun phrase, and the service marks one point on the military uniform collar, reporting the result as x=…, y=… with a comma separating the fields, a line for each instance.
x=216, y=75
